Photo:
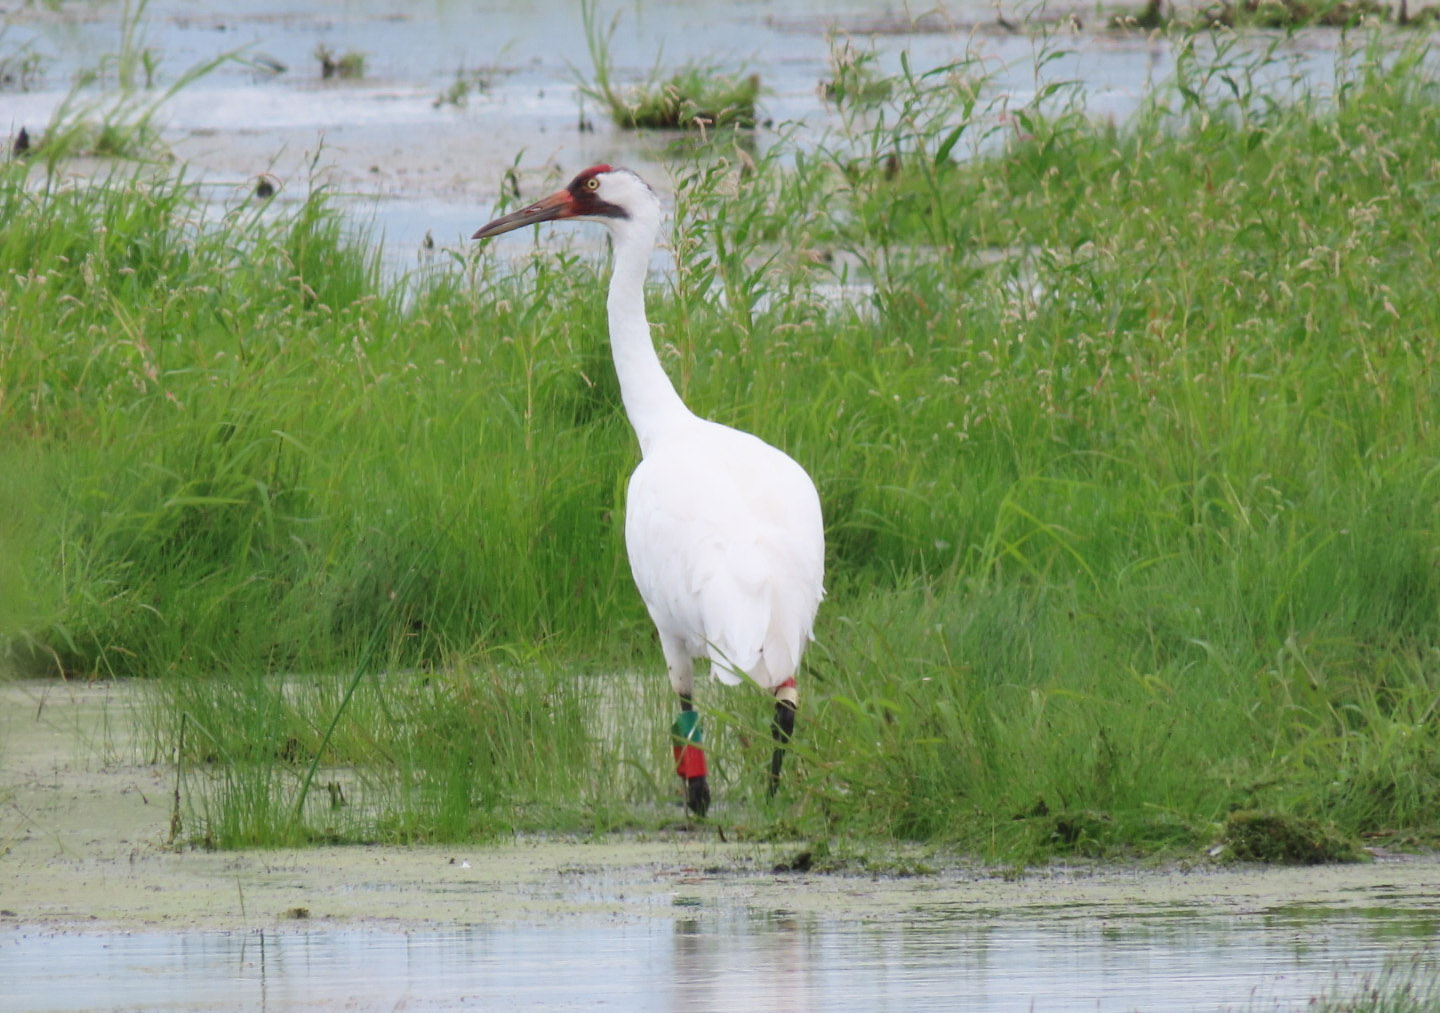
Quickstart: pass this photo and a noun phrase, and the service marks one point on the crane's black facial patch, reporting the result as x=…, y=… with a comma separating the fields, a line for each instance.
x=584, y=192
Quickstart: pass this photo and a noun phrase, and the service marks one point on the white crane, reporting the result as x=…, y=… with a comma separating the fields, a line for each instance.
x=724, y=532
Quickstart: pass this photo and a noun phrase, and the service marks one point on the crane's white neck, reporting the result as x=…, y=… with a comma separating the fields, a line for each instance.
x=651, y=402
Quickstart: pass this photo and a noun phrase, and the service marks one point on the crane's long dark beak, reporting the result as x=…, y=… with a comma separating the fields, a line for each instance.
x=558, y=205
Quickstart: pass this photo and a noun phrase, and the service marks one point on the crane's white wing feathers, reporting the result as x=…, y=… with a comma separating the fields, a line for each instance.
x=726, y=545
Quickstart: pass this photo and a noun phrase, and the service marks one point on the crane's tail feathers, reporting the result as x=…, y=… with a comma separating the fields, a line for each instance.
x=770, y=665
x=761, y=633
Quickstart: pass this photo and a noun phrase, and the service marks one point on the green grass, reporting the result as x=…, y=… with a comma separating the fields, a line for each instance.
x=350, y=64
x=1406, y=985
x=697, y=96
x=855, y=79
x=1128, y=459
x=1272, y=14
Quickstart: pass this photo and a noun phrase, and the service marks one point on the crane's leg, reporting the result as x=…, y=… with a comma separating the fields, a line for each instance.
x=690, y=757
x=787, y=699
x=685, y=732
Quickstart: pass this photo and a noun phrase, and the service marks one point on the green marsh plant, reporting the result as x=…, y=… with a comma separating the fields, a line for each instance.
x=694, y=97
x=1125, y=448
x=97, y=119
x=349, y=65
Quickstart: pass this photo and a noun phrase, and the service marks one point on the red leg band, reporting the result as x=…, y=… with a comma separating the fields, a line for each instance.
x=689, y=761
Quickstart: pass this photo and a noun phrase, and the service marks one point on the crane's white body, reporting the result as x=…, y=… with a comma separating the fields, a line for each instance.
x=724, y=532
x=727, y=548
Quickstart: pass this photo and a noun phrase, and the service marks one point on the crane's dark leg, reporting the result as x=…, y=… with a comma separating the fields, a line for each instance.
x=787, y=699
x=690, y=757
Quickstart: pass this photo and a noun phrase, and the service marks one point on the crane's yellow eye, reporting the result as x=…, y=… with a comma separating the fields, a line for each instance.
x=592, y=183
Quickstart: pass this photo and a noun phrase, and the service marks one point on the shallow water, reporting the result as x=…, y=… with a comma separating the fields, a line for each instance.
x=98, y=912
x=703, y=958
x=410, y=167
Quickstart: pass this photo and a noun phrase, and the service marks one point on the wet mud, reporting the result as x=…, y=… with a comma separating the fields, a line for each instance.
x=86, y=819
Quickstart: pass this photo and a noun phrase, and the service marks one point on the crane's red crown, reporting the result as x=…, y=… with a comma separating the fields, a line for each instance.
x=584, y=199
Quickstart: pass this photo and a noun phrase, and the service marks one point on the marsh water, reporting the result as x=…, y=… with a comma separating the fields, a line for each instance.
x=419, y=168
x=706, y=958
x=97, y=912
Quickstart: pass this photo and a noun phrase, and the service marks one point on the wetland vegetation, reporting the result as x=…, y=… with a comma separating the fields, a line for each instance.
x=1124, y=435
x=694, y=97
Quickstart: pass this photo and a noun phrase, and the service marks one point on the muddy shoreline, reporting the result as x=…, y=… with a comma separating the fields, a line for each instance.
x=85, y=820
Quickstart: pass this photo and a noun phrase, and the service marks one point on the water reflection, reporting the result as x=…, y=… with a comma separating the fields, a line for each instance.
x=698, y=957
